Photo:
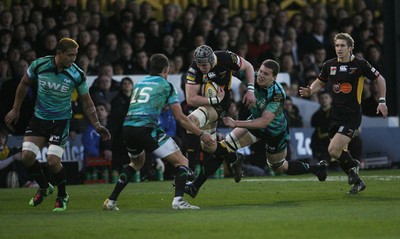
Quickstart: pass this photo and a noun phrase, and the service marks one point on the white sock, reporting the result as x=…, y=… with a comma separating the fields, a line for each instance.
x=177, y=199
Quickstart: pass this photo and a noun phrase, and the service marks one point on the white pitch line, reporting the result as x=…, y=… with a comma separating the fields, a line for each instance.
x=330, y=178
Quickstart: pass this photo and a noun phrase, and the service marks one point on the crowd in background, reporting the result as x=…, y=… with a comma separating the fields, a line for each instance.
x=122, y=41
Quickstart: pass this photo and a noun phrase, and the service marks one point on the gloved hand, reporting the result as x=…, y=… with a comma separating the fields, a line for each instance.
x=160, y=165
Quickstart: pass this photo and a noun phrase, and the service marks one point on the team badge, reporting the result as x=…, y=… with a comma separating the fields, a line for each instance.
x=333, y=70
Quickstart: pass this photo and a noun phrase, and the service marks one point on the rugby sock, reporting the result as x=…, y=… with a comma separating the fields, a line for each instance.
x=60, y=179
x=297, y=167
x=124, y=178
x=210, y=166
x=346, y=162
x=193, y=150
x=37, y=173
x=222, y=153
x=181, y=175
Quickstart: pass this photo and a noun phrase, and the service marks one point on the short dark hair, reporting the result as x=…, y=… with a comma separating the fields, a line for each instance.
x=157, y=63
x=271, y=64
x=66, y=43
x=345, y=36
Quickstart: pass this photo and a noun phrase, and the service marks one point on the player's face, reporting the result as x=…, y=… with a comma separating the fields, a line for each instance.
x=68, y=57
x=204, y=67
x=343, y=51
x=265, y=76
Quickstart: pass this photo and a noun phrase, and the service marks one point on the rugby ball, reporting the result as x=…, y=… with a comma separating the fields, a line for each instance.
x=210, y=89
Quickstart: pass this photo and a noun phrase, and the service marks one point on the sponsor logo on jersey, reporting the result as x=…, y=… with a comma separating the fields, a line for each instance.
x=66, y=81
x=235, y=59
x=353, y=70
x=222, y=75
x=278, y=97
x=333, y=70
x=344, y=88
x=54, y=86
x=343, y=69
x=192, y=70
x=211, y=75
x=54, y=138
x=376, y=73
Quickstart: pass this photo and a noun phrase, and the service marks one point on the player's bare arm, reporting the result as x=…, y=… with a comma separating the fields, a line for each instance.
x=315, y=87
x=259, y=123
x=249, y=98
x=382, y=108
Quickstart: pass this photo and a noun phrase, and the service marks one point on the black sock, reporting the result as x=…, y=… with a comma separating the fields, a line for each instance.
x=60, y=180
x=193, y=150
x=37, y=173
x=222, y=153
x=297, y=167
x=210, y=166
x=124, y=178
x=181, y=175
x=346, y=162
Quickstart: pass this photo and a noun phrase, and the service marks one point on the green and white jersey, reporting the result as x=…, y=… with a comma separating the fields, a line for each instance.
x=55, y=88
x=149, y=96
x=271, y=99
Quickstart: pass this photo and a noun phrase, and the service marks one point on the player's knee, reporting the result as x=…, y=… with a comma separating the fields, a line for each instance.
x=137, y=160
x=199, y=117
x=29, y=153
x=29, y=150
x=277, y=167
x=231, y=142
x=55, y=150
x=334, y=151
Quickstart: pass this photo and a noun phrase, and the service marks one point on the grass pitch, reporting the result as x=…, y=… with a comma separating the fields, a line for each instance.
x=268, y=207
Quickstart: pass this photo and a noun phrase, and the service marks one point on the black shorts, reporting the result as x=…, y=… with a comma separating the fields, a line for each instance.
x=137, y=139
x=273, y=144
x=346, y=124
x=55, y=131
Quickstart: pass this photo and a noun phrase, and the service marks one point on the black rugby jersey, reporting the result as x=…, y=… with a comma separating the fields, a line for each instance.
x=347, y=80
x=221, y=73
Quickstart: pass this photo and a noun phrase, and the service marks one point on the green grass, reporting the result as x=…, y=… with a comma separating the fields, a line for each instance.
x=269, y=207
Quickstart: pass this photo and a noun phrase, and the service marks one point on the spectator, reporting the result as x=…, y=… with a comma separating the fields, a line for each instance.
x=274, y=52
x=320, y=122
x=91, y=140
x=109, y=52
x=292, y=114
x=5, y=40
x=153, y=35
x=11, y=164
x=370, y=104
x=170, y=16
x=6, y=20
x=103, y=92
x=48, y=46
x=168, y=48
x=141, y=67
x=7, y=96
x=119, y=107
x=92, y=53
x=5, y=71
x=126, y=59
x=258, y=46
x=146, y=14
